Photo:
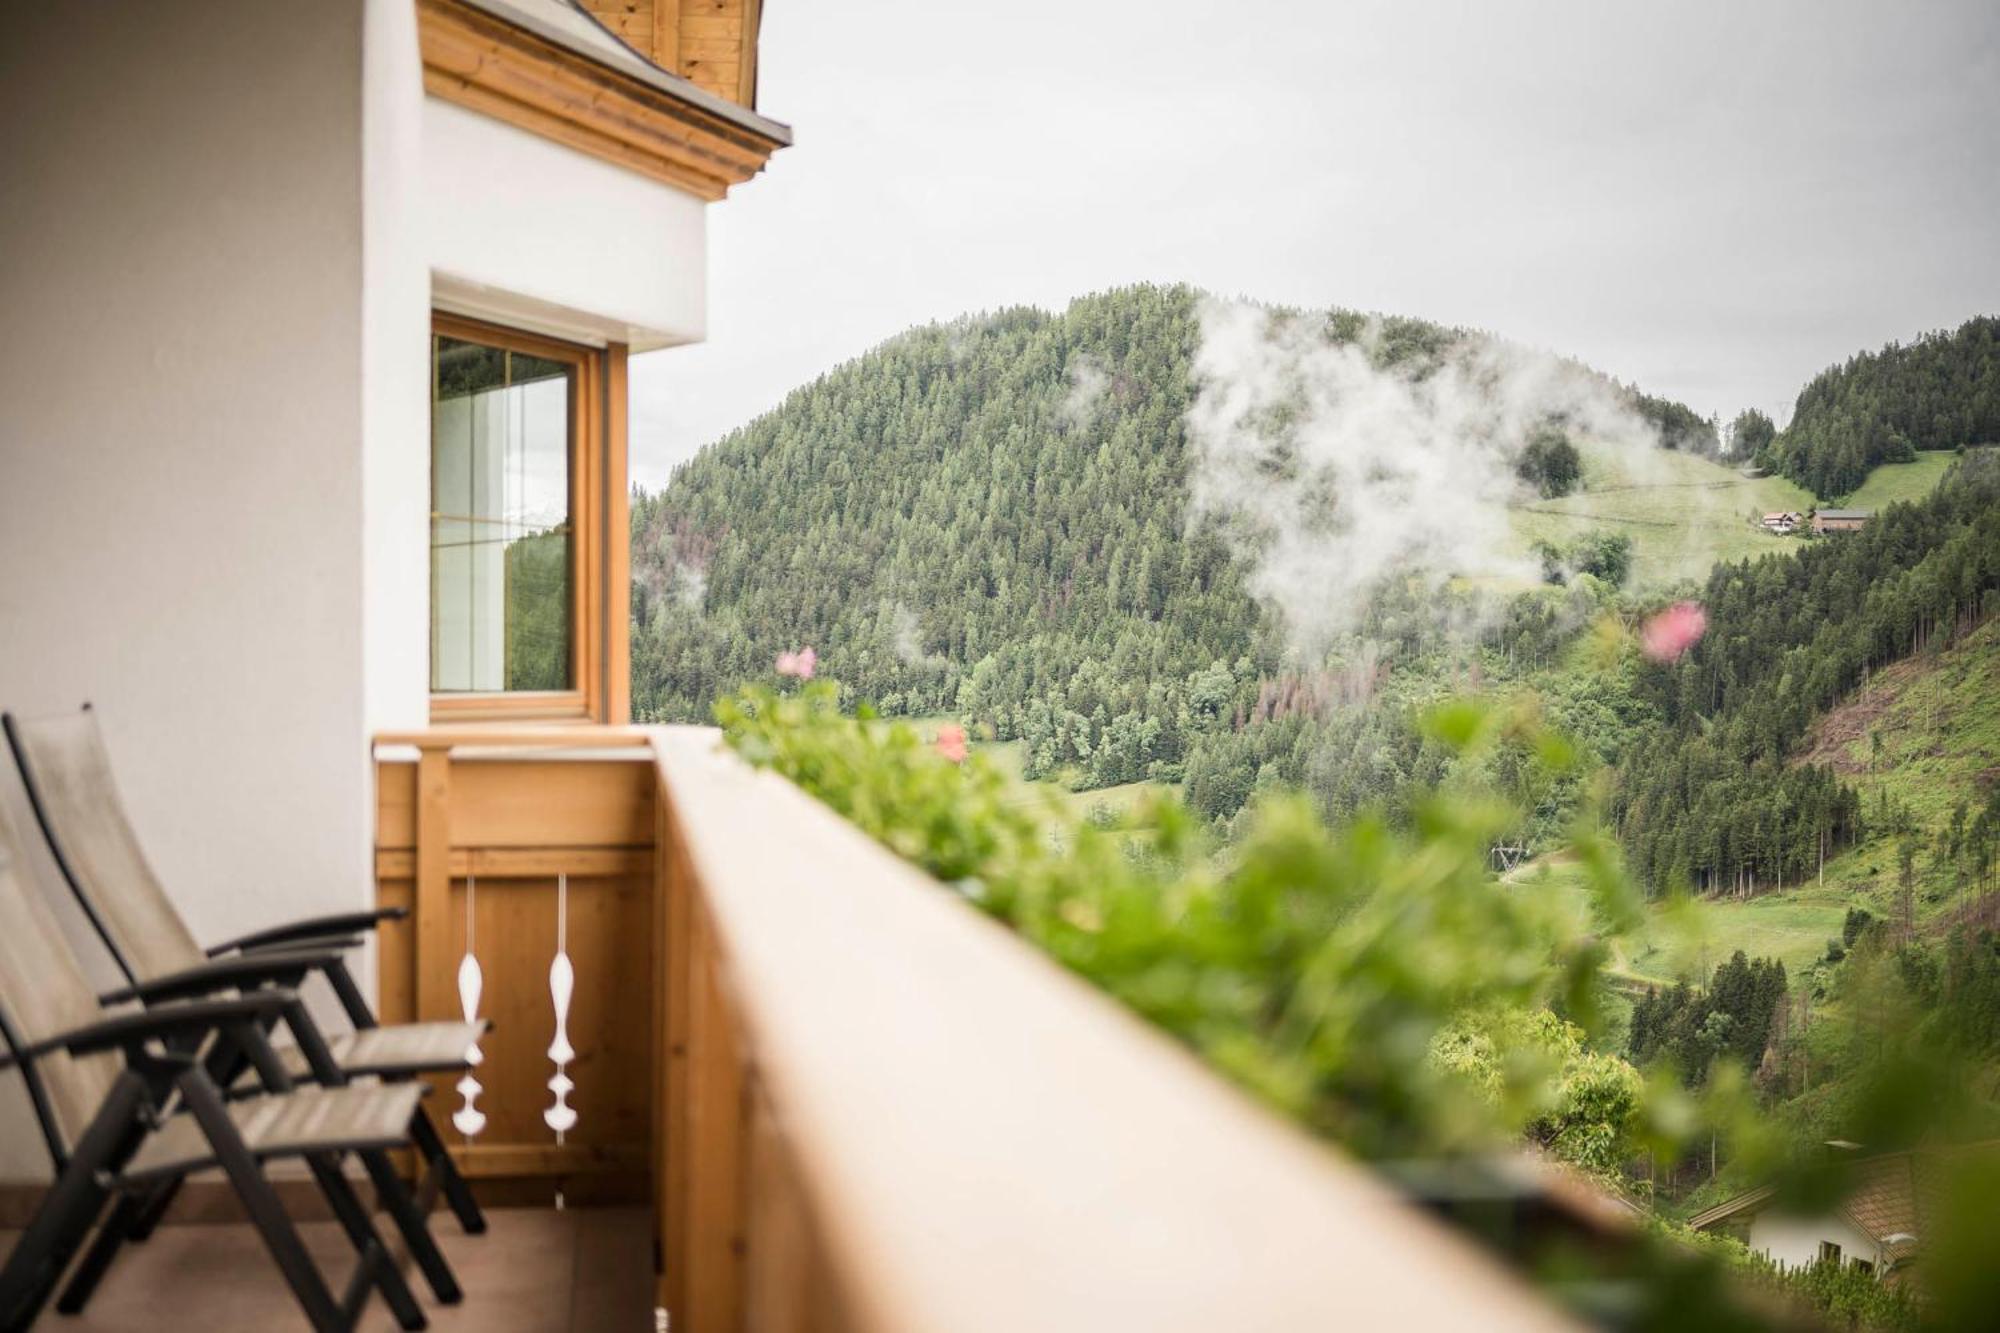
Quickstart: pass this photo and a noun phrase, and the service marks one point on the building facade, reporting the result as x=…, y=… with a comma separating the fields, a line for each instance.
x=319, y=318
x=1841, y=520
x=1879, y=1226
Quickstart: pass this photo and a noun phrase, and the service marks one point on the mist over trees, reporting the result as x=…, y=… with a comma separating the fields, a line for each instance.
x=991, y=518
x=1939, y=392
x=1550, y=463
x=985, y=518
x=1000, y=520
x=1680, y=426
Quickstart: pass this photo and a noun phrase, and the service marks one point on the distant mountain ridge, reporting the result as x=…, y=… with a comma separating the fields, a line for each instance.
x=990, y=518
x=1940, y=392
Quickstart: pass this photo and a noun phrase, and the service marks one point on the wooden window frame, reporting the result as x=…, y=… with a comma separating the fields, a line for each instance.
x=600, y=564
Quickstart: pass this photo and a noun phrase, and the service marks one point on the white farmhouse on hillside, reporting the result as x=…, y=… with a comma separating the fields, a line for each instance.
x=1880, y=1225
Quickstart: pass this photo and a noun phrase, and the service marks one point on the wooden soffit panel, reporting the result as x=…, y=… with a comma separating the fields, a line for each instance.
x=490, y=66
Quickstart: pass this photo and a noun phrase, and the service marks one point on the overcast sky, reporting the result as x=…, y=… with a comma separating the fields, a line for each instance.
x=1713, y=200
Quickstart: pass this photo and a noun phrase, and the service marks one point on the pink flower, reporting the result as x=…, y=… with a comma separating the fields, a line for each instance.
x=798, y=664
x=1667, y=636
x=951, y=742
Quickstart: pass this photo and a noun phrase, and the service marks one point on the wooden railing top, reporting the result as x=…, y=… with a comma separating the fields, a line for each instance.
x=489, y=736
x=989, y=1143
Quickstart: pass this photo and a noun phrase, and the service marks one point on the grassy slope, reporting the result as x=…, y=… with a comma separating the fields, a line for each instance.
x=1123, y=800
x=1684, y=513
x=1900, y=481
x=1939, y=718
x=1687, y=940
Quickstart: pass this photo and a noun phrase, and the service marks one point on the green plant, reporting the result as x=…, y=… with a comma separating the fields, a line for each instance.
x=1314, y=965
x=1378, y=983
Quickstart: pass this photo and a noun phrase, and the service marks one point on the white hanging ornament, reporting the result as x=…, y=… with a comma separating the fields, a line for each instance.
x=469, y=1119
x=561, y=1116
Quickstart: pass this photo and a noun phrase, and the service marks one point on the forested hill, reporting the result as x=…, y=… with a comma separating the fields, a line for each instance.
x=1939, y=392
x=996, y=503
x=991, y=518
x=1709, y=798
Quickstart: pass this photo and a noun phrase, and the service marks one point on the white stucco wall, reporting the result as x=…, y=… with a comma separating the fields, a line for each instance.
x=1795, y=1241
x=223, y=224
x=526, y=232
x=213, y=456
x=395, y=375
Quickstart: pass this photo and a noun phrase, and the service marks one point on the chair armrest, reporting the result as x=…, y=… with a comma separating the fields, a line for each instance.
x=245, y=970
x=315, y=944
x=312, y=930
x=141, y=1025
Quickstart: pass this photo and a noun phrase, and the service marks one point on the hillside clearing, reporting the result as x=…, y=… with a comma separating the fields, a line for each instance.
x=1686, y=940
x=1891, y=482
x=1938, y=715
x=1936, y=720
x=1683, y=512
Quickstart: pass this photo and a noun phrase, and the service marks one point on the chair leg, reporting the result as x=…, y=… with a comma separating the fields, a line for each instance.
x=153, y=1209
x=457, y=1192
x=267, y=1213
x=76, y=1199
x=112, y=1233
x=38, y=1258
x=395, y=1196
x=354, y=1220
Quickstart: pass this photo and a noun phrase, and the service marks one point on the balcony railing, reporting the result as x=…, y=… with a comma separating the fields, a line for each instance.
x=852, y=1101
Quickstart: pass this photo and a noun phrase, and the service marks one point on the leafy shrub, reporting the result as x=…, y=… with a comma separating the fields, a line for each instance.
x=1582, y=1105
x=1317, y=968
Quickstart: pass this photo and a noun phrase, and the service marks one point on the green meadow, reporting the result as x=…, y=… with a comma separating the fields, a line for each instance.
x=1683, y=512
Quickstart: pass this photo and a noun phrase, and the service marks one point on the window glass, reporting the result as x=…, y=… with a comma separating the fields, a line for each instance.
x=502, y=563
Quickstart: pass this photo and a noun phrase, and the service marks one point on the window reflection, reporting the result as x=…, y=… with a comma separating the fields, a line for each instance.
x=501, y=557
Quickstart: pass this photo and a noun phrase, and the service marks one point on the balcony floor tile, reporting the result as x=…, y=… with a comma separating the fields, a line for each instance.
x=534, y=1271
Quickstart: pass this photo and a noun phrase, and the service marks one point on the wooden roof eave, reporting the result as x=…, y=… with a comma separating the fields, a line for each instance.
x=1730, y=1207
x=486, y=64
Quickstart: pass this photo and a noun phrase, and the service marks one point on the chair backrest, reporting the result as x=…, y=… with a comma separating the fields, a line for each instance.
x=67, y=774
x=44, y=993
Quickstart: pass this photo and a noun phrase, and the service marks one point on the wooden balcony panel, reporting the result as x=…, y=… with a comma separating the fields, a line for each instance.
x=521, y=818
x=523, y=803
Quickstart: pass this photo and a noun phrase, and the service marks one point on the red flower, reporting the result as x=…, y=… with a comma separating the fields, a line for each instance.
x=951, y=742
x=800, y=663
x=1667, y=636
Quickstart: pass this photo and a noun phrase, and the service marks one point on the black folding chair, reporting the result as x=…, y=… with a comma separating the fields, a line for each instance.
x=67, y=775
x=125, y=1101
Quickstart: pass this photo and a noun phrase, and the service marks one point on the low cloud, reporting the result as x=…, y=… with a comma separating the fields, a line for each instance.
x=1087, y=383
x=1334, y=464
